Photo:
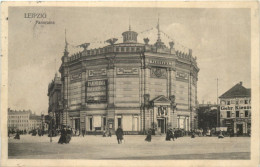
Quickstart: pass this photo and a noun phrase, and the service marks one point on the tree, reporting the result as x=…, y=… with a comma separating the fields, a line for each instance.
x=207, y=118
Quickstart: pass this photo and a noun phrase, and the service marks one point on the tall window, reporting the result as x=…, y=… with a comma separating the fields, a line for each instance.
x=228, y=114
x=246, y=101
x=237, y=102
x=119, y=122
x=104, y=123
x=90, y=124
x=228, y=102
x=237, y=114
x=246, y=113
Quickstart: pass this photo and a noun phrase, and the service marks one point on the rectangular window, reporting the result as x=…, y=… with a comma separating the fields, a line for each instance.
x=104, y=123
x=90, y=124
x=228, y=102
x=119, y=122
x=246, y=113
x=228, y=114
x=237, y=114
x=237, y=102
x=246, y=101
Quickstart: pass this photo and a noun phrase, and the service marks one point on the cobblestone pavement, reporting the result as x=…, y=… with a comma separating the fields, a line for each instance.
x=134, y=147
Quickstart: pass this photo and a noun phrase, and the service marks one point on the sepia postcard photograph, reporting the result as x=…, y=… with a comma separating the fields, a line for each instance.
x=130, y=84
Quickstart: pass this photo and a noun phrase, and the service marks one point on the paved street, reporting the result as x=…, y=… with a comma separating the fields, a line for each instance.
x=134, y=147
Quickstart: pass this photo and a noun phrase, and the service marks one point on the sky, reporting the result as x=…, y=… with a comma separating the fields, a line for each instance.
x=219, y=38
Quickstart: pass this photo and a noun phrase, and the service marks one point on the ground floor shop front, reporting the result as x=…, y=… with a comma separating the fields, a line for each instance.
x=238, y=126
x=131, y=121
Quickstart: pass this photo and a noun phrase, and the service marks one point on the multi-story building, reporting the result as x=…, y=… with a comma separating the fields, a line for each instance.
x=133, y=85
x=235, y=110
x=55, y=103
x=18, y=120
x=35, y=122
x=23, y=120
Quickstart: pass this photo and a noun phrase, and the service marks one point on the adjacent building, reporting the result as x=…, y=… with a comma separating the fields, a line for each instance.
x=235, y=110
x=55, y=103
x=133, y=85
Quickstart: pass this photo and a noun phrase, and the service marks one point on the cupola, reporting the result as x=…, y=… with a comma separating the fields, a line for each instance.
x=130, y=36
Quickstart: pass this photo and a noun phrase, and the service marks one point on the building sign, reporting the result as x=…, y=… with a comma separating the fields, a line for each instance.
x=96, y=91
x=182, y=75
x=127, y=71
x=158, y=72
x=160, y=62
x=226, y=108
x=100, y=72
x=75, y=76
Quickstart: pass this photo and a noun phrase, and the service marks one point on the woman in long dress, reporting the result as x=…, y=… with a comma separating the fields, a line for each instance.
x=149, y=136
x=119, y=135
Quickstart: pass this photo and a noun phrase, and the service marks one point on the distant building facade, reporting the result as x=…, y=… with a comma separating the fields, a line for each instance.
x=18, y=120
x=235, y=110
x=133, y=85
x=23, y=120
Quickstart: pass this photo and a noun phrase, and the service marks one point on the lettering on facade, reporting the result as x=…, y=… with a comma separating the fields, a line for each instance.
x=75, y=76
x=160, y=62
x=96, y=91
x=182, y=75
x=94, y=73
x=235, y=108
x=157, y=72
x=127, y=71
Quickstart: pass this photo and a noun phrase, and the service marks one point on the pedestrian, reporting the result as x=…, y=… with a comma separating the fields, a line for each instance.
x=17, y=136
x=192, y=134
x=168, y=135
x=83, y=132
x=119, y=135
x=149, y=136
x=109, y=133
x=68, y=136
x=62, y=136
x=220, y=136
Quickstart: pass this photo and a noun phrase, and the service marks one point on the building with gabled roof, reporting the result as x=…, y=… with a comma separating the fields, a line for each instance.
x=235, y=110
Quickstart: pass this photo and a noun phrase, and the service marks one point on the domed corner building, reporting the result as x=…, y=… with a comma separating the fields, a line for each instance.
x=133, y=85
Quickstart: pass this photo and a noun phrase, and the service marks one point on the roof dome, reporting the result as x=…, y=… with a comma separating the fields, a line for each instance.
x=130, y=36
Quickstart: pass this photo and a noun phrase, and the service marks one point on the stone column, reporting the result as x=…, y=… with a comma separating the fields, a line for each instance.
x=111, y=90
x=84, y=76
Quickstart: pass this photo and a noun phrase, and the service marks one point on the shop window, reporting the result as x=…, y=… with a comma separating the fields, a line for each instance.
x=90, y=124
x=118, y=122
x=228, y=114
x=246, y=113
x=104, y=123
x=228, y=102
x=237, y=114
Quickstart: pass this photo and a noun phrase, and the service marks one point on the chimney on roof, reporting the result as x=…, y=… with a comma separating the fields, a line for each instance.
x=241, y=83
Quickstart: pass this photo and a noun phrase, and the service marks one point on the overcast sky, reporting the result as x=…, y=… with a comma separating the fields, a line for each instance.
x=219, y=38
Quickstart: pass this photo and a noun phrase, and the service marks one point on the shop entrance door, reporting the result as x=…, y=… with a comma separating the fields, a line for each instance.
x=77, y=123
x=239, y=129
x=161, y=125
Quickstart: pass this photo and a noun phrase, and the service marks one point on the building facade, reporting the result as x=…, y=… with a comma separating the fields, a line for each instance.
x=18, y=120
x=235, y=110
x=23, y=120
x=55, y=103
x=133, y=85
